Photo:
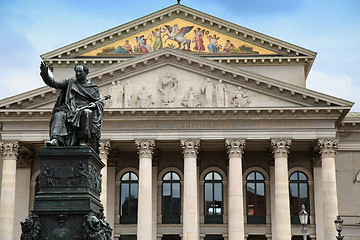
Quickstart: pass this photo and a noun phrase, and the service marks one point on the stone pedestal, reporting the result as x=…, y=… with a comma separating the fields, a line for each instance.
x=68, y=203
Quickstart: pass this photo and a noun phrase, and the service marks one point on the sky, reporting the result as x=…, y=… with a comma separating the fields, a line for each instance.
x=331, y=28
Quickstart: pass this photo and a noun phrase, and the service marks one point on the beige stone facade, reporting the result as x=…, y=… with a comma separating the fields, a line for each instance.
x=198, y=146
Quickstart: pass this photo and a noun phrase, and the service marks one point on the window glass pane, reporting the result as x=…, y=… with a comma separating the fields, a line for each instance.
x=250, y=197
x=217, y=176
x=175, y=176
x=217, y=191
x=251, y=176
x=167, y=176
x=294, y=190
x=133, y=206
x=134, y=190
x=259, y=176
x=176, y=190
x=124, y=201
x=166, y=189
x=303, y=190
x=176, y=201
x=302, y=176
x=293, y=176
x=209, y=176
x=208, y=199
x=125, y=177
x=260, y=199
x=133, y=177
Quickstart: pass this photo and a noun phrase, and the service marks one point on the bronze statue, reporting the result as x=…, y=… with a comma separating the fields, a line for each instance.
x=78, y=112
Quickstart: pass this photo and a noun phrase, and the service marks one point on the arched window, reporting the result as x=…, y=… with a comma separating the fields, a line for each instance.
x=299, y=194
x=213, y=198
x=129, y=198
x=255, y=198
x=171, y=201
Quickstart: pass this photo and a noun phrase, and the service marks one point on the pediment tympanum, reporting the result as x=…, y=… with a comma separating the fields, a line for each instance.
x=182, y=34
x=168, y=86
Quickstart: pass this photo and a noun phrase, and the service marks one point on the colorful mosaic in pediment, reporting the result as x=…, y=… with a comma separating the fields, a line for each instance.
x=180, y=34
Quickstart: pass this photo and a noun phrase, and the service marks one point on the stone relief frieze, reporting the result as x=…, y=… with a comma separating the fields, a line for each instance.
x=191, y=99
x=167, y=86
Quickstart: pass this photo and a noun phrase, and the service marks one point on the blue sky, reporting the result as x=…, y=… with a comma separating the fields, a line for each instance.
x=331, y=28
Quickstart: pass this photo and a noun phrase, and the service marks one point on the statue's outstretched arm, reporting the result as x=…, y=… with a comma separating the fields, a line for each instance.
x=44, y=72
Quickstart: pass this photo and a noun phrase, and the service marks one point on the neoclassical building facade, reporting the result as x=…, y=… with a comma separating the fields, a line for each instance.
x=210, y=134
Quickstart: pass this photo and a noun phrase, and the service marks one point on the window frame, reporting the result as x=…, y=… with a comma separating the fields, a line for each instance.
x=132, y=217
x=295, y=218
x=218, y=218
x=255, y=219
x=170, y=218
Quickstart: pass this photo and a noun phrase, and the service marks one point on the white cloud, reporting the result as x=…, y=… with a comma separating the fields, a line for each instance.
x=341, y=86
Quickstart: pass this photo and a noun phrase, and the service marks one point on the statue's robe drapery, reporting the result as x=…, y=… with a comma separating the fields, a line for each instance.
x=73, y=97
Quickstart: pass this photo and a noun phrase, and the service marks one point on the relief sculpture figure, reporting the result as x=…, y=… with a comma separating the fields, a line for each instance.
x=78, y=112
x=144, y=99
x=116, y=91
x=221, y=93
x=208, y=90
x=167, y=87
x=191, y=99
x=240, y=98
x=128, y=94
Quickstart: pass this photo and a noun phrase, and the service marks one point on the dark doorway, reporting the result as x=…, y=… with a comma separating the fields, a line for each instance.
x=213, y=237
x=171, y=237
x=299, y=238
x=257, y=237
x=128, y=237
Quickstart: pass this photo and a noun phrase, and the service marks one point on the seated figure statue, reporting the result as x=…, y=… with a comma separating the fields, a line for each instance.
x=77, y=115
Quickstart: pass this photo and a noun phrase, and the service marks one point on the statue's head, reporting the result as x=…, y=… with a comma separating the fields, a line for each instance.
x=81, y=71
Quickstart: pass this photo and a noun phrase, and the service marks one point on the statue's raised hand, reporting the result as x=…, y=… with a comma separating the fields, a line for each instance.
x=43, y=67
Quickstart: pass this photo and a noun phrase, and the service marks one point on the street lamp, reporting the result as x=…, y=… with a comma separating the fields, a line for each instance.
x=303, y=215
x=338, y=224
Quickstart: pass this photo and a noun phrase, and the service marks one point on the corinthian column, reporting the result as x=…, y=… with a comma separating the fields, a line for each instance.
x=190, y=211
x=9, y=152
x=330, y=206
x=144, y=222
x=282, y=206
x=236, y=209
x=104, y=153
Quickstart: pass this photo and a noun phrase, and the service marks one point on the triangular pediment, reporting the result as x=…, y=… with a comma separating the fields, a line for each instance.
x=248, y=46
x=152, y=73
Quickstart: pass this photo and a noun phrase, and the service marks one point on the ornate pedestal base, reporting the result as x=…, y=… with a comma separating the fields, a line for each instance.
x=67, y=205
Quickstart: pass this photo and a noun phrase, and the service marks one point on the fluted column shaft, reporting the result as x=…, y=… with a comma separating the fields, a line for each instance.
x=330, y=205
x=8, y=186
x=236, y=209
x=104, y=153
x=282, y=206
x=190, y=210
x=144, y=222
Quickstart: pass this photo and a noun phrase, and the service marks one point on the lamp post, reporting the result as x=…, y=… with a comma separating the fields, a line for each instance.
x=303, y=215
x=338, y=224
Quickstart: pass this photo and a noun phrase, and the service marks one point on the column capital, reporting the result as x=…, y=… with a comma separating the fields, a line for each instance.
x=328, y=147
x=190, y=147
x=104, y=148
x=235, y=147
x=280, y=147
x=145, y=147
x=10, y=150
x=24, y=161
